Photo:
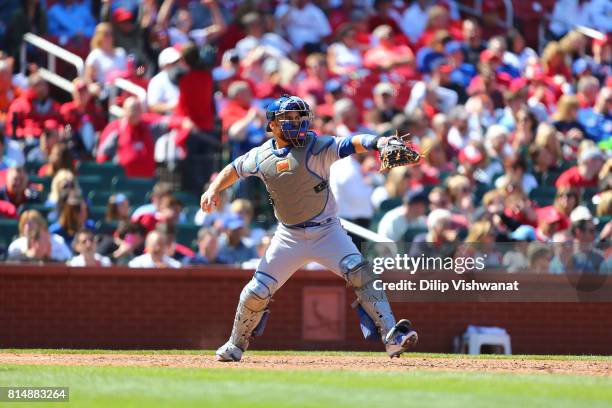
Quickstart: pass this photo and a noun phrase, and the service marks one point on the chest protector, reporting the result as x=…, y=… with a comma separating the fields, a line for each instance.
x=297, y=193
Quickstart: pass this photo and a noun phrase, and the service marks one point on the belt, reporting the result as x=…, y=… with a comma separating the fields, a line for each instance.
x=309, y=224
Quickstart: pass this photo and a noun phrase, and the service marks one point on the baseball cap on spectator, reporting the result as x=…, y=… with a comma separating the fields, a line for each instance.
x=489, y=56
x=582, y=213
x=122, y=15
x=415, y=196
x=51, y=124
x=591, y=153
x=470, y=154
x=233, y=222
x=601, y=40
x=333, y=86
x=453, y=46
x=168, y=56
x=524, y=233
x=384, y=88
x=580, y=66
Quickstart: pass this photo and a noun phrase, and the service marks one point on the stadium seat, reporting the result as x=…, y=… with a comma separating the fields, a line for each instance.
x=97, y=212
x=543, y=195
x=139, y=187
x=104, y=227
x=9, y=229
x=187, y=198
x=107, y=169
x=390, y=204
x=32, y=167
x=40, y=207
x=413, y=232
x=186, y=234
x=45, y=182
x=93, y=182
x=99, y=197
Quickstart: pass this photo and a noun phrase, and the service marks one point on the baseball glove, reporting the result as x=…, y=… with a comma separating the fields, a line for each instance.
x=394, y=152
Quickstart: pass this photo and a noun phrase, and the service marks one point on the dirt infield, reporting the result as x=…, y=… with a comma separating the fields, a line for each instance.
x=323, y=362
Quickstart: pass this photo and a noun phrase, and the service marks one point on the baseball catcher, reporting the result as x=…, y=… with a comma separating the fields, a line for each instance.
x=294, y=166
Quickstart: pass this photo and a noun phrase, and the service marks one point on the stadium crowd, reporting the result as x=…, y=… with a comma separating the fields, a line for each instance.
x=517, y=142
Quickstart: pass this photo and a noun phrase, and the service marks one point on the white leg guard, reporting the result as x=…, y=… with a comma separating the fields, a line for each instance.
x=358, y=273
x=252, y=306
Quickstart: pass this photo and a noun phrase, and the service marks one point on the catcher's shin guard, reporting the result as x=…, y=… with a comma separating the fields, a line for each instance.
x=359, y=275
x=251, y=314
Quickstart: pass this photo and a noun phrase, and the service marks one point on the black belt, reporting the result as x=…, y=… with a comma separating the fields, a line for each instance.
x=309, y=224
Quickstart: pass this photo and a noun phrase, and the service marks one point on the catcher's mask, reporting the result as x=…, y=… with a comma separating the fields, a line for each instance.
x=293, y=127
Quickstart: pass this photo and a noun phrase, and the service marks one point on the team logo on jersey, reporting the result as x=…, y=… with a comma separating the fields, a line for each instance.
x=282, y=165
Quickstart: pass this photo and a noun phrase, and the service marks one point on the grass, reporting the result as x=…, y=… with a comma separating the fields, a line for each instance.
x=99, y=387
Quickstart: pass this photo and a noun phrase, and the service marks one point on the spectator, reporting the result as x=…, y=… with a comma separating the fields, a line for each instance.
x=244, y=209
x=169, y=211
x=434, y=96
x=257, y=37
x=126, y=243
x=305, y=23
x=524, y=134
x=104, y=59
x=437, y=19
x=195, y=114
x=243, y=122
x=472, y=37
x=60, y=158
x=160, y=189
x=8, y=91
x=566, y=199
x=35, y=243
x=517, y=54
x=587, y=89
x=565, y=120
x=411, y=214
x=497, y=45
x=270, y=86
x=439, y=238
x=11, y=154
x=207, y=248
x=384, y=13
x=438, y=198
x=162, y=92
x=515, y=171
x=461, y=193
x=385, y=105
x=398, y=182
x=32, y=109
x=461, y=133
x=317, y=75
x=347, y=118
x=463, y=72
x=233, y=250
x=539, y=256
x=68, y=19
x=128, y=142
x=498, y=149
x=344, y=56
x=389, y=56
x=85, y=116
x=156, y=246
x=549, y=222
x=586, y=258
x=85, y=246
x=590, y=161
x=175, y=250
x=183, y=31
x=516, y=259
x=72, y=218
x=48, y=138
x=597, y=121
x=553, y=62
x=117, y=208
x=16, y=190
x=62, y=183
x=435, y=161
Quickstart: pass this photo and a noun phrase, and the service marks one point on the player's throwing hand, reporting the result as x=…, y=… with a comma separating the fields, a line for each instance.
x=209, y=201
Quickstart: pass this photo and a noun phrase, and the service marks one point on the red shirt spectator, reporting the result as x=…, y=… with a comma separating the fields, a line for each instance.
x=196, y=99
x=128, y=141
x=32, y=109
x=16, y=190
x=82, y=104
x=585, y=174
x=8, y=210
x=390, y=56
x=8, y=92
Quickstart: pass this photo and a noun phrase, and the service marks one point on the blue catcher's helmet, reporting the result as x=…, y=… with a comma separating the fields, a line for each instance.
x=293, y=128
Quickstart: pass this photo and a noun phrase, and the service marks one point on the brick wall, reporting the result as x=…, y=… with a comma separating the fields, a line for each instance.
x=115, y=308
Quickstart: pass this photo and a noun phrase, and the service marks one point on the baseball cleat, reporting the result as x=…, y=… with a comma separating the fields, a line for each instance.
x=229, y=352
x=401, y=338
